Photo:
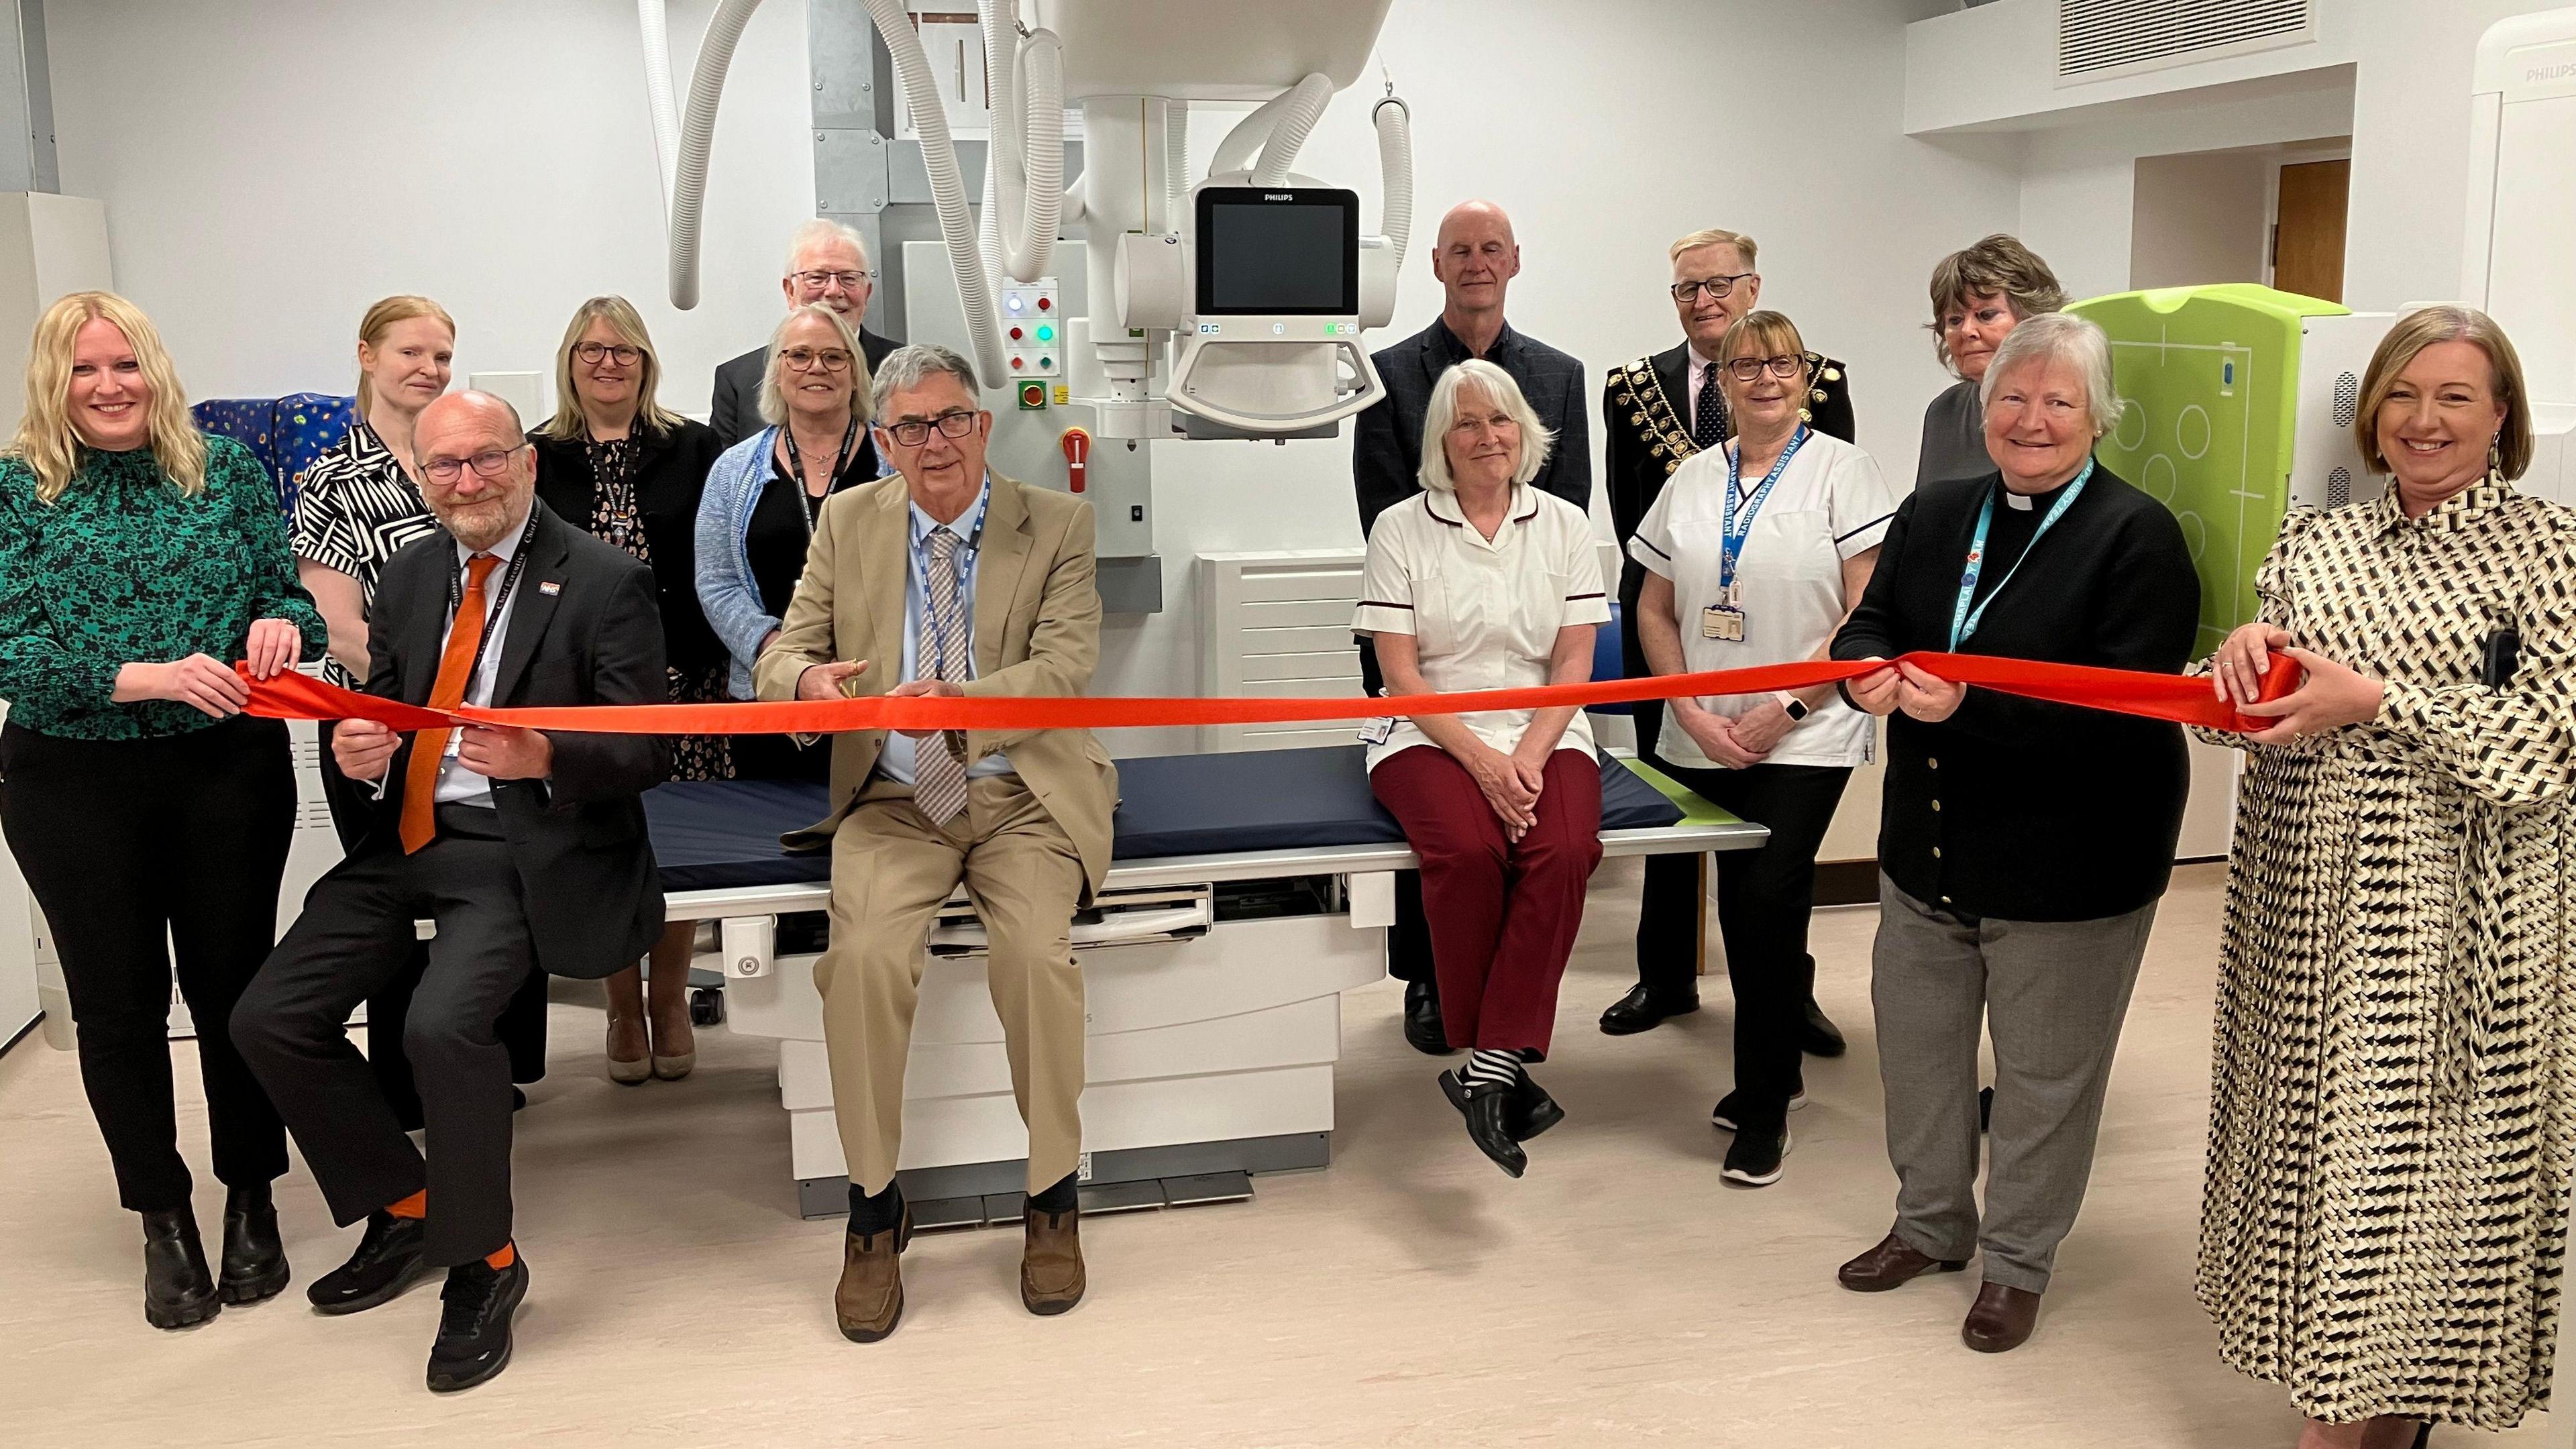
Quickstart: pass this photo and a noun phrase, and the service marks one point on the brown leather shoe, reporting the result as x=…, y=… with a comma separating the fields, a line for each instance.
x=1892, y=1264
x=2002, y=1319
x=1051, y=1277
x=869, y=1300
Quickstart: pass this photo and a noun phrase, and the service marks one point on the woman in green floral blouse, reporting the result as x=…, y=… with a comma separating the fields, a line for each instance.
x=138, y=558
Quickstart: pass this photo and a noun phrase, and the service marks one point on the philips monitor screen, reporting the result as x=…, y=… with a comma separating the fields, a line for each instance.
x=1278, y=253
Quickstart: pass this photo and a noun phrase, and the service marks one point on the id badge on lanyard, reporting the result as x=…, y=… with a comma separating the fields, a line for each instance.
x=1724, y=620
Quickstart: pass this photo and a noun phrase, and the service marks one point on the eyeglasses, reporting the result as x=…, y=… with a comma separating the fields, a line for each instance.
x=490, y=463
x=806, y=359
x=1750, y=369
x=912, y=433
x=1714, y=286
x=593, y=353
x=824, y=281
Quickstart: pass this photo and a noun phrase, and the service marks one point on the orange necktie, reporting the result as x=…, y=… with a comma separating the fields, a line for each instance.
x=429, y=747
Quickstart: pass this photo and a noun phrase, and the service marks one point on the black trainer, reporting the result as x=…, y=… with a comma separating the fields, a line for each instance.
x=473, y=1341
x=1754, y=1159
x=1726, y=1114
x=387, y=1262
x=254, y=1260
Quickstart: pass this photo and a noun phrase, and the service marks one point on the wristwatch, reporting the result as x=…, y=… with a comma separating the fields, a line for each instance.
x=1796, y=707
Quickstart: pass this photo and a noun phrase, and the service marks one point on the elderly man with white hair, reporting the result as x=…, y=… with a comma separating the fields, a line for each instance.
x=2023, y=845
x=827, y=266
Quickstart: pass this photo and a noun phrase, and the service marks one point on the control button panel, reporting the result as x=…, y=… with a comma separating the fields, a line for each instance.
x=1032, y=337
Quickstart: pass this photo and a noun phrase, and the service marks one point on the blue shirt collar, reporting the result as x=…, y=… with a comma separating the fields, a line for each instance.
x=969, y=525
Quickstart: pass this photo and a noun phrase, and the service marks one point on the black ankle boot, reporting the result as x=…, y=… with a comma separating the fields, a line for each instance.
x=178, y=1292
x=254, y=1260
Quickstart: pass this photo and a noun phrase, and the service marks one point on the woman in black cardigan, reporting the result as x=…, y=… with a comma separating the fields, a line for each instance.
x=614, y=462
x=2023, y=844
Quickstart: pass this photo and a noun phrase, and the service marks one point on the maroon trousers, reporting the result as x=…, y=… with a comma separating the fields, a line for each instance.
x=1503, y=913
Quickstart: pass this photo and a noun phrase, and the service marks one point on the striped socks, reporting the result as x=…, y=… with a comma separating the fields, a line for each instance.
x=1494, y=1068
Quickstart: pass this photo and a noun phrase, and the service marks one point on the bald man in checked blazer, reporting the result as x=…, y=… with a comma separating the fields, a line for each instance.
x=950, y=580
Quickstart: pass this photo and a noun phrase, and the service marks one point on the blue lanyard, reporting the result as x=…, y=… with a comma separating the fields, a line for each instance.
x=1963, y=620
x=1732, y=539
x=973, y=544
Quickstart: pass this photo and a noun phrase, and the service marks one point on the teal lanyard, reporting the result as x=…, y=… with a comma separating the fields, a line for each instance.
x=1964, y=620
x=1731, y=539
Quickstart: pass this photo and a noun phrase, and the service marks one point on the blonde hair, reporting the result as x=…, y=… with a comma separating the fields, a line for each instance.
x=1998, y=265
x=2421, y=329
x=773, y=398
x=380, y=319
x=628, y=324
x=1715, y=236
x=46, y=440
x=1537, y=439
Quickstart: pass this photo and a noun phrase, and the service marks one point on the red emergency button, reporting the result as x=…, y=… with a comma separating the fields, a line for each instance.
x=1077, y=458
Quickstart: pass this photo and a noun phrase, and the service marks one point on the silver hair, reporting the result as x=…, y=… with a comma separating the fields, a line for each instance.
x=2060, y=336
x=1537, y=439
x=773, y=398
x=822, y=229
x=910, y=367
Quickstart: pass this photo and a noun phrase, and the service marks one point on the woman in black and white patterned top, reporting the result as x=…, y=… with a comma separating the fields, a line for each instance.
x=616, y=463
x=2392, y=1115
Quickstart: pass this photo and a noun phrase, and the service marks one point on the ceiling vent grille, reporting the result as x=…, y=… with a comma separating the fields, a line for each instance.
x=2104, y=37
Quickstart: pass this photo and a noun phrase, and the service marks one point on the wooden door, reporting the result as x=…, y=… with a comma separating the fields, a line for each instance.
x=2307, y=241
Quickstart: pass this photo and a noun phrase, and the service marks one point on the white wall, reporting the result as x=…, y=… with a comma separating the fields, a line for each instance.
x=2199, y=217
x=270, y=169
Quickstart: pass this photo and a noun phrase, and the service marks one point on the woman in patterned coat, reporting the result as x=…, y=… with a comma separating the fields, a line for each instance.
x=2394, y=1113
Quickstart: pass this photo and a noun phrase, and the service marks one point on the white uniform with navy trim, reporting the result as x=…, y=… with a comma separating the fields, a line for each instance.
x=1483, y=613
x=1829, y=504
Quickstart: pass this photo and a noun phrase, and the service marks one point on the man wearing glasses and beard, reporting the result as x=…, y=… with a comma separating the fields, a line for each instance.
x=1659, y=411
x=827, y=266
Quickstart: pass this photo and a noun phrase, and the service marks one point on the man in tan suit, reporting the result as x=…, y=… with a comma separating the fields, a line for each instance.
x=950, y=580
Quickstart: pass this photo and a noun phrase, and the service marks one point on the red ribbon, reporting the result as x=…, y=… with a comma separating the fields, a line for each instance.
x=2180, y=698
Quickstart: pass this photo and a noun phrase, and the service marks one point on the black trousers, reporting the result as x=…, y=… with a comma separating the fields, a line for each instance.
x=133, y=847
x=1764, y=898
x=350, y=940
x=1408, y=945
x=523, y=1026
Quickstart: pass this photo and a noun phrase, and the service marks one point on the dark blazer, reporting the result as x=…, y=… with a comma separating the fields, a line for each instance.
x=584, y=859
x=670, y=472
x=2020, y=808
x=1386, y=440
x=734, y=411
x=1648, y=428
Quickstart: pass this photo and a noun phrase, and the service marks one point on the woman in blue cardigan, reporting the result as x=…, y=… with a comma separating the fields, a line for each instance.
x=757, y=517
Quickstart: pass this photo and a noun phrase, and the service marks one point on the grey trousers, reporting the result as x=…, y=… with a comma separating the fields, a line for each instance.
x=2052, y=994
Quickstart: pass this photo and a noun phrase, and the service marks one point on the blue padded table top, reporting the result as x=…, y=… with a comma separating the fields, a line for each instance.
x=723, y=834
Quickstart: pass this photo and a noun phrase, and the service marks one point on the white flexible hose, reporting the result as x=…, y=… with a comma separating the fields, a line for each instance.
x=1024, y=163
x=947, y=185
x=697, y=136
x=1395, y=172
x=1241, y=144
x=1176, y=161
x=658, y=99
x=1296, y=119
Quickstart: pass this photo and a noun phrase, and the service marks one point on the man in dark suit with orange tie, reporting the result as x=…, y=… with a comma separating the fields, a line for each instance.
x=526, y=848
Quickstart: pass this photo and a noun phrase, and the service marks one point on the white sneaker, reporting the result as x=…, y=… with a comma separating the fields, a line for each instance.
x=1724, y=1121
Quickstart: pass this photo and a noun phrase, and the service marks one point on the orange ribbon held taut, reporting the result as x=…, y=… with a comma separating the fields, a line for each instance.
x=2182, y=699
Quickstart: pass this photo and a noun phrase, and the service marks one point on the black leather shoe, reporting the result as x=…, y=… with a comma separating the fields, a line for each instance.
x=386, y=1263
x=1486, y=1109
x=1818, y=1036
x=178, y=1292
x=1423, y=1029
x=473, y=1341
x=1754, y=1158
x=1639, y=1010
x=254, y=1260
x=1530, y=1112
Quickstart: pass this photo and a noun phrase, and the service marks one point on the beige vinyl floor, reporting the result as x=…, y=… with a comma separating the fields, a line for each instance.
x=1408, y=1295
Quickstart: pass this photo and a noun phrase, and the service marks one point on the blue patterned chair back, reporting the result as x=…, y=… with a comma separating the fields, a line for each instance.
x=285, y=433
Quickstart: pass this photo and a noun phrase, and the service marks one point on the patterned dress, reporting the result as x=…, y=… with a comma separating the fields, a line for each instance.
x=2393, y=1120
x=616, y=518
x=355, y=509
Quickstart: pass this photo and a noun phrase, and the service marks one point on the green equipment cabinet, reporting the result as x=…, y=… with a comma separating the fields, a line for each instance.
x=2237, y=404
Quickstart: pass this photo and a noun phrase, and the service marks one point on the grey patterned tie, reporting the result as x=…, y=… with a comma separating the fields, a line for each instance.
x=939, y=766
